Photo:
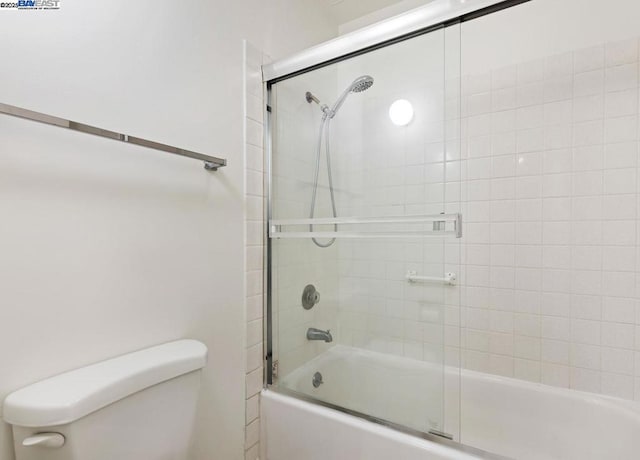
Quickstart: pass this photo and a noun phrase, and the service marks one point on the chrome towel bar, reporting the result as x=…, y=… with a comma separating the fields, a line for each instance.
x=210, y=163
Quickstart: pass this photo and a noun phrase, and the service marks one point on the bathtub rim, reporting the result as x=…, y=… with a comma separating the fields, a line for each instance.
x=440, y=440
x=628, y=408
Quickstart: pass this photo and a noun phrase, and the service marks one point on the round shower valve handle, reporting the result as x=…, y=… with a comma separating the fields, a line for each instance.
x=52, y=440
x=310, y=297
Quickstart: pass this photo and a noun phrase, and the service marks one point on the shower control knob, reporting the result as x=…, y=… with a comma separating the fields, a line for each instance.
x=310, y=297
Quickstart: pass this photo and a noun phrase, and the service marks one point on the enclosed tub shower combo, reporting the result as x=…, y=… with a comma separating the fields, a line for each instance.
x=451, y=239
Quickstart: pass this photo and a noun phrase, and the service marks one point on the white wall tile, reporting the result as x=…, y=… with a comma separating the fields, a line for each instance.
x=557, y=281
x=478, y=104
x=588, y=133
x=503, y=99
x=557, y=137
x=622, y=77
x=555, y=352
x=618, y=335
x=586, y=380
x=621, y=103
x=622, y=52
x=621, y=155
x=558, y=65
x=588, y=157
x=557, y=160
x=548, y=184
x=587, y=307
x=619, y=386
x=558, y=113
x=561, y=88
x=617, y=360
x=503, y=166
x=528, y=72
x=555, y=304
x=530, y=94
x=586, y=356
x=621, y=129
x=617, y=259
x=589, y=59
x=619, y=310
x=503, y=143
x=556, y=185
x=525, y=369
x=589, y=83
x=586, y=331
x=555, y=375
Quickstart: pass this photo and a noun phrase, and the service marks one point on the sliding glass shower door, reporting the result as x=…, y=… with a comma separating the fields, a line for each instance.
x=364, y=226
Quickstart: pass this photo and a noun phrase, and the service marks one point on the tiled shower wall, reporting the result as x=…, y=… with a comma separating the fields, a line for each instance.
x=548, y=170
x=295, y=263
x=551, y=237
x=387, y=170
x=547, y=174
x=254, y=195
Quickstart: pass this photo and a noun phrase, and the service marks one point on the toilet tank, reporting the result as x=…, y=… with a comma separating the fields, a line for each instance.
x=139, y=406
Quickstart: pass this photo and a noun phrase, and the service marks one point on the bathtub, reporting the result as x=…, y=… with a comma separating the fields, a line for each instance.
x=507, y=417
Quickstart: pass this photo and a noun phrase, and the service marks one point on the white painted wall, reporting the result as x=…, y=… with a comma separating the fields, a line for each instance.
x=107, y=248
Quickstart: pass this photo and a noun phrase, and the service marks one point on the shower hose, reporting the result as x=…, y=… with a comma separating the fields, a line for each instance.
x=324, y=129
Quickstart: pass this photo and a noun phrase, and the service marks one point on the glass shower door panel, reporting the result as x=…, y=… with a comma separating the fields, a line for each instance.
x=358, y=321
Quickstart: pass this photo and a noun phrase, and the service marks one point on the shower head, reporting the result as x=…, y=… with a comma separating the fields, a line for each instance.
x=362, y=84
x=358, y=85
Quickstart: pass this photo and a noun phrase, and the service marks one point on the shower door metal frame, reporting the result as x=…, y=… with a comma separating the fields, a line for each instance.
x=434, y=15
x=375, y=37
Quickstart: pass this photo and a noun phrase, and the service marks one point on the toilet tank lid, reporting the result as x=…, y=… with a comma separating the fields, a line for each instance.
x=67, y=397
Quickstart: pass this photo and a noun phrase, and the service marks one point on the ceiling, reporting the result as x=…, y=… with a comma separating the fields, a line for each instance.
x=348, y=10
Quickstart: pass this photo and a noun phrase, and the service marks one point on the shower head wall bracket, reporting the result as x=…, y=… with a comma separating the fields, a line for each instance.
x=311, y=98
x=358, y=85
x=324, y=107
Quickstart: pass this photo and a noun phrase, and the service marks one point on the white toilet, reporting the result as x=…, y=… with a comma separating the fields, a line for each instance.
x=140, y=406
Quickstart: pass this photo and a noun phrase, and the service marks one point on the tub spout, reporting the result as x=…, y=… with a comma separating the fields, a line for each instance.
x=318, y=334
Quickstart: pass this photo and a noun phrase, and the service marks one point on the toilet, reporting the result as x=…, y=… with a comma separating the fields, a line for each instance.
x=139, y=406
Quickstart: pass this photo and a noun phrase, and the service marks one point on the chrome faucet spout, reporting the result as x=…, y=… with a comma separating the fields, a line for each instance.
x=319, y=334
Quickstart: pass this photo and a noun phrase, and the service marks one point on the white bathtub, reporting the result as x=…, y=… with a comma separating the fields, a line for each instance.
x=504, y=416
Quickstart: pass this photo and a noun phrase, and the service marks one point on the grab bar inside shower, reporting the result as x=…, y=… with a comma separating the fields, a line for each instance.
x=448, y=278
x=210, y=163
